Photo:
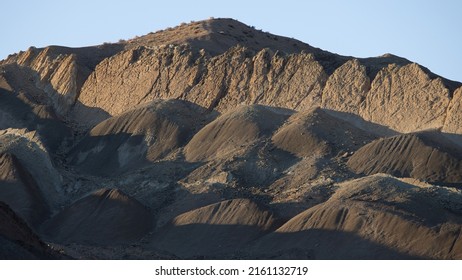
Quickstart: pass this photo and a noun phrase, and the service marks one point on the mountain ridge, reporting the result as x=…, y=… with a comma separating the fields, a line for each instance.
x=214, y=129
x=237, y=71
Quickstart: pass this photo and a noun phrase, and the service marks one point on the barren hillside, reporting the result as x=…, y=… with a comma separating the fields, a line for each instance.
x=217, y=140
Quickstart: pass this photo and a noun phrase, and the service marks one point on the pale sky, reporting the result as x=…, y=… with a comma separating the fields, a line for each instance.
x=426, y=32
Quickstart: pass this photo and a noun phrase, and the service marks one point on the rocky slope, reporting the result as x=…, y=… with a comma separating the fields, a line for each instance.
x=213, y=139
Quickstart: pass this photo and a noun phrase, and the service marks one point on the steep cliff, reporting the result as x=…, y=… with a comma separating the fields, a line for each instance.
x=220, y=63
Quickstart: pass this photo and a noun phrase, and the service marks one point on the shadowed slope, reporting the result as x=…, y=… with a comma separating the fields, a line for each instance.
x=137, y=137
x=106, y=216
x=417, y=220
x=19, y=190
x=225, y=226
x=18, y=241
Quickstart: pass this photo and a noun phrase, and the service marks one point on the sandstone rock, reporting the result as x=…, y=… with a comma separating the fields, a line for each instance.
x=406, y=99
x=346, y=88
x=454, y=118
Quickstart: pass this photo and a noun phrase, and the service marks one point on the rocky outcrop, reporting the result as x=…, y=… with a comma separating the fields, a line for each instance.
x=59, y=71
x=406, y=99
x=219, y=64
x=242, y=76
x=453, y=120
x=239, y=76
x=346, y=88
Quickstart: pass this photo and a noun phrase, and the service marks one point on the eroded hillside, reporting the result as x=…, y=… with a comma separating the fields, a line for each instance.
x=213, y=139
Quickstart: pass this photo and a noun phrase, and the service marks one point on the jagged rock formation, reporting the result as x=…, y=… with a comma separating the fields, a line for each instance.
x=454, y=117
x=414, y=101
x=59, y=71
x=208, y=131
x=214, y=64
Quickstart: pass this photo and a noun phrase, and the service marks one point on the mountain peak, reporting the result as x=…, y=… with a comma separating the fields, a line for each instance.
x=217, y=35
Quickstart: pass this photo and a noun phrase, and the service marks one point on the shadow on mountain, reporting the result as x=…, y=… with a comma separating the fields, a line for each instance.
x=195, y=241
x=359, y=122
x=18, y=241
x=205, y=241
x=322, y=245
x=18, y=112
x=20, y=191
x=145, y=134
x=216, y=228
x=109, y=154
x=106, y=216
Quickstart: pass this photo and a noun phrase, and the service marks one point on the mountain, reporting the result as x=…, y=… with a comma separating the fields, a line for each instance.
x=217, y=140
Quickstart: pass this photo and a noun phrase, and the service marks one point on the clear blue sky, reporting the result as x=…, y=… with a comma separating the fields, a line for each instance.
x=427, y=32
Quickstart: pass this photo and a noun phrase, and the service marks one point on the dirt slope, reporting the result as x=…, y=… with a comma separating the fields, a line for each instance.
x=203, y=131
x=223, y=227
x=235, y=132
x=426, y=156
x=18, y=241
x=19, y=190
x=376, y=217
x=137, y=137
x=20, y=111
x=315, y=132
x=106, y=216
x=28, y=148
